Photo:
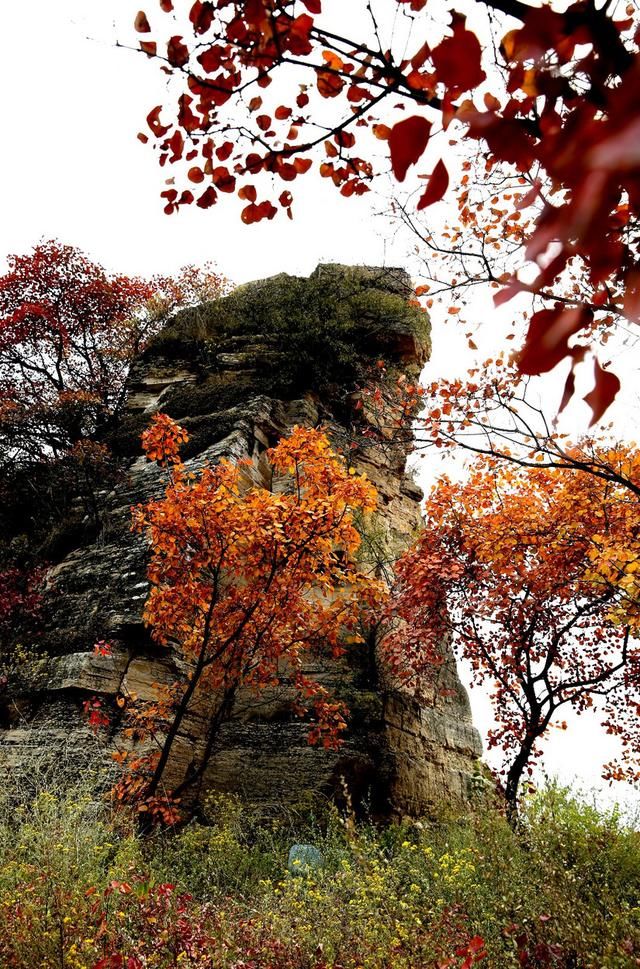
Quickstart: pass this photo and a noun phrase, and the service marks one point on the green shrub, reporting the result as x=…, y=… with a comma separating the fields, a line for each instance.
x=76, y=890
x=316, y=333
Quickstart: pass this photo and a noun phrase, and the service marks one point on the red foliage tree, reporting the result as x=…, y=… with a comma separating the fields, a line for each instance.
x=552, y=104
x=522, y=570
x=68, y=333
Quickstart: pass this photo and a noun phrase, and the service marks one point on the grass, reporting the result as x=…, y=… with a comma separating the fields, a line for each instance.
x=78, y=890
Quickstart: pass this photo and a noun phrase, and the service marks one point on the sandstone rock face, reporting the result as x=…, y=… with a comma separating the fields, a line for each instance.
x=238, y=383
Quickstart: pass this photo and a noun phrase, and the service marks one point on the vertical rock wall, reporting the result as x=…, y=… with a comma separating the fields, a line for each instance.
x=239, y=376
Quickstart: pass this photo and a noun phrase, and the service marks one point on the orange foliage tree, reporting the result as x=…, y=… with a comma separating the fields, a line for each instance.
x=545, y=99
x=245, y=583
x=518, y=569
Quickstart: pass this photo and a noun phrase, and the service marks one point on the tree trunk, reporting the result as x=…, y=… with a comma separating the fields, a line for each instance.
x=514, y=778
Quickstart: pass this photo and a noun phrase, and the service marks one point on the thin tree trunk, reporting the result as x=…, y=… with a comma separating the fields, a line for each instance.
x=514, y=778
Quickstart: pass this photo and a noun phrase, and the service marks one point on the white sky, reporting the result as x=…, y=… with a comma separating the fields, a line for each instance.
x=71, y=104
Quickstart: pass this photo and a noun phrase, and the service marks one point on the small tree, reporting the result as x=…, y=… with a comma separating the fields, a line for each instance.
x=245, y=583
x=68, y=331
x=68, y=334
x=509, y=569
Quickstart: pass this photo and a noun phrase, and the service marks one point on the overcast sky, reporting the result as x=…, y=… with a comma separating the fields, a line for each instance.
x=71, y=103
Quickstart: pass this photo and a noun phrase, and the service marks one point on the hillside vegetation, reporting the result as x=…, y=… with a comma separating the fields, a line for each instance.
x=78, y=891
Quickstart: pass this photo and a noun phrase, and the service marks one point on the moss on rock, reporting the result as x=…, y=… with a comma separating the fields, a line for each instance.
x=323, y=331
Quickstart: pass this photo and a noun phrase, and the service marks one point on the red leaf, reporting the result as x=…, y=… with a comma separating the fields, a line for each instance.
x=153, y=120
x=267, y=210
x=297, y=37
x=149, y=47
x=208, y=198
x=302, y=165
x=249, y=214
x=177, y=52
x=458, y=59
x=346, y=139
x=186, y=117
x=476, y=943
x=224, y=151
x=141, y=23
x=211, y=58
x=569, y=389
x=420, y=56
x=356, y=93
x=223, y=179
x=166, y=5
x=436, y=186
x=176, y=145
x=547, y=341
x=313, y=6
x=604, y=391
x=248, y=192
x=329, y=84
x=407, y=141
x=509, y=291
x=201, y=16
x=254, y=163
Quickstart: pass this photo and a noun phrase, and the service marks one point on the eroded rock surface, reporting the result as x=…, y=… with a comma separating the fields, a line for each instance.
x=238, y=376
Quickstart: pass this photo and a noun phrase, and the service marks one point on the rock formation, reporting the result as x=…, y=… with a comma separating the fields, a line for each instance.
x=239, y=374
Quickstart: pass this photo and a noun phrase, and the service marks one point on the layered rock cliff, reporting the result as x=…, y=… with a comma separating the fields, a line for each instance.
x=238, y=375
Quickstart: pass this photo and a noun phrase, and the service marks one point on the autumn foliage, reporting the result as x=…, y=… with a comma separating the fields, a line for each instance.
x=545, y=99
x=69, y=331
x=247, y=582
x=531, y=573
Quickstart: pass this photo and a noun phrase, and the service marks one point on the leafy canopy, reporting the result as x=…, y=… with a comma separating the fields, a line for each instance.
x=247, y=582
x=546, y=97
x=69, y=331
x=527, y=572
